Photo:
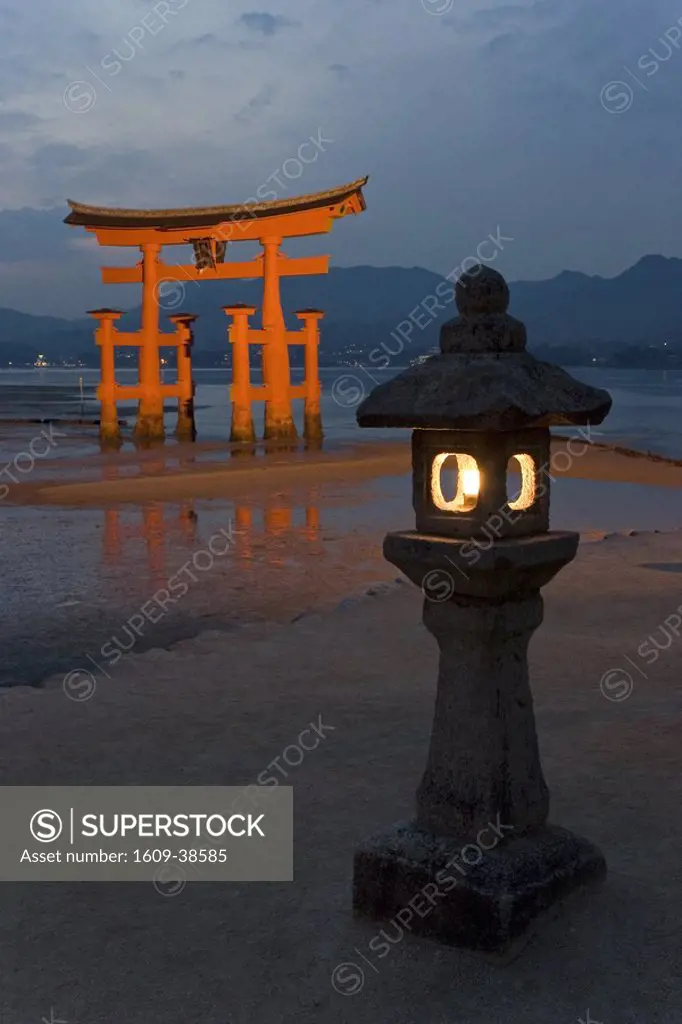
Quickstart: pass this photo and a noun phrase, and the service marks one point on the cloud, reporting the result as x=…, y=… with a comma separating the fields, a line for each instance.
x=261, y=101
x=28, y=232
x=266, y=24
x=533, y=16
x=59, y=154
x=502, y=44
x=17, y=119
x=488, y=116
x=208, y=38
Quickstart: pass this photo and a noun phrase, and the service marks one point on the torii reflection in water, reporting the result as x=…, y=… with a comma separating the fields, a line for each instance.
x=166, y=527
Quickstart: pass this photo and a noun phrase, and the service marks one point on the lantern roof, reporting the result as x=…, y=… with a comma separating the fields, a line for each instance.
x=483, y=378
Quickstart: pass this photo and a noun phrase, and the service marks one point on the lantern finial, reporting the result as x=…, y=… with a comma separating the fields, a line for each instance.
x=484, y=325
x=481, y=290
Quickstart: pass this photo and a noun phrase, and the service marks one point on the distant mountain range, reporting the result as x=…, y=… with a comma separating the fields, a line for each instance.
x=365, y=305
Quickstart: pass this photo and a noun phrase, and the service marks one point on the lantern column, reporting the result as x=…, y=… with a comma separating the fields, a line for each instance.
x=312, y=415
x=279, y=421
x=149, y=424
x=186, y=428
x=479, y=854
x=109, y=430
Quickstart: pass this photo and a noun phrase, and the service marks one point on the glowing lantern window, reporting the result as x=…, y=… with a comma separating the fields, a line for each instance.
x=480, y=414
x=526, y=496
x=468, y=483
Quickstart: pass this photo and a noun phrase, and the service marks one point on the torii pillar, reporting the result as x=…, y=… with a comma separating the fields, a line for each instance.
x=109, y=429
x=242, y=428
x=149, y=426
x=186, y=427
x=312, y=414
x=279, y=419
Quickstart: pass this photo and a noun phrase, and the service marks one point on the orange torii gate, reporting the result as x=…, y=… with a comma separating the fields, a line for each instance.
x=209, y=230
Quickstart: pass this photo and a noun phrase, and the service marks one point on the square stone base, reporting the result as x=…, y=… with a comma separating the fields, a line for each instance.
x=485, y=906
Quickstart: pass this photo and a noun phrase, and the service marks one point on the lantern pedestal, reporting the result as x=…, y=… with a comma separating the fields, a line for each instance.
x=421, y=880
x=480, y=849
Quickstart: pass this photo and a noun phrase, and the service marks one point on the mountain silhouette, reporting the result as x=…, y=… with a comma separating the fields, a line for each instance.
x=364, y=307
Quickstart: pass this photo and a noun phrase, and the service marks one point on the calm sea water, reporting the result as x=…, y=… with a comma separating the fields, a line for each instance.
x=646, y=413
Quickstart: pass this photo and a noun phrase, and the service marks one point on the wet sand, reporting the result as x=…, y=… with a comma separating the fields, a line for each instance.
x=200, y=471
x=218, y=710
x=73, y=578
x=86, y=555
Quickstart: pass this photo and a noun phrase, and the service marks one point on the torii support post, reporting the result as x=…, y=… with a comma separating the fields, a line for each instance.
x=242, y=428
x=111, y=538
x=187, y=520
x=109, y=430
x=149, y=426
x=154, y=533
x=186, y=427
x=312, y=415
x=279, y=420
x=277, y=519
x=243, y=516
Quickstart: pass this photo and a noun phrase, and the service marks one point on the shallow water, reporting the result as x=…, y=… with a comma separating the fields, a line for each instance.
x=646, y=413
x=75, y=579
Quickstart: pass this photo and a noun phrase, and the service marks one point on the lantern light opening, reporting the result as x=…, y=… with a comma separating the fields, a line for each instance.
x=471, y=482
x=468, y=483
x=526, y=497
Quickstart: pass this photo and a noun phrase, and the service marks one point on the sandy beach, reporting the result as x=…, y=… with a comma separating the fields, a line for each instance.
x=218, y=710
x=202, y=471
x=303, y=618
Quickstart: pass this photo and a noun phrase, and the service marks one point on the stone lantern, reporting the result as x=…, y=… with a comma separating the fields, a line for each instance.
x=481, y=552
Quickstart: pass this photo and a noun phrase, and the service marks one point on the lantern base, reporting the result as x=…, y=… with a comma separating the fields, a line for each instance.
x=423, y=883
x=467, y=568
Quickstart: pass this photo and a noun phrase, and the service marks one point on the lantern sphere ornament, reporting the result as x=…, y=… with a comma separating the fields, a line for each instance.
x=480, y=412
